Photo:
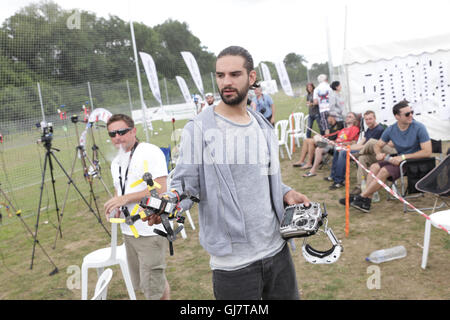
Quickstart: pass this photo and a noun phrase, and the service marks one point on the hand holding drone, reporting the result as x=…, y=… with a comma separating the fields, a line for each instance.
x=166, y=206
x=300, y=221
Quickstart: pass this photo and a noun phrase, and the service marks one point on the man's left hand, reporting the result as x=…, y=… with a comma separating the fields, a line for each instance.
x=396, y=160
x=293, y=197
x=115, y=203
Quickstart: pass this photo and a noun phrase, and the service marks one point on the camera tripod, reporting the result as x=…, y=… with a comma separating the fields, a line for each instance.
x=95, y=163
x=19, y=215
x=46, y=140
x=80, y=152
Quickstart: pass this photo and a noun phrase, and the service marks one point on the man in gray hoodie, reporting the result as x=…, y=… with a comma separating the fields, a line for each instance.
x=229, y=159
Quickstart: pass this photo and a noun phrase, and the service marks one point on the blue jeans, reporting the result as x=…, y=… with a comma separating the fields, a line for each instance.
x=339, y=164
x=271, y=278
x=311, y=119
x=323, y=124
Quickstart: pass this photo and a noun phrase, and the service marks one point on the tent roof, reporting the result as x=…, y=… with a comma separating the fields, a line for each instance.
x=397, y=49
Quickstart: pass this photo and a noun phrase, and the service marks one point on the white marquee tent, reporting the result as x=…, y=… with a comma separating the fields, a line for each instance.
x=416, y=70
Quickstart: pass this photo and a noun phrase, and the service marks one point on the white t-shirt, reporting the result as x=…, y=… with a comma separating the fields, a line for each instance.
x=157, y=167
x=208, y=106
x=322, y=94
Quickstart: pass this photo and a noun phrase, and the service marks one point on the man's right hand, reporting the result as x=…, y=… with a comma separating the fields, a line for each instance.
x=153, y=219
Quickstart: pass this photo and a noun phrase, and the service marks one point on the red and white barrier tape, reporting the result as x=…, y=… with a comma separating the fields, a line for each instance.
x=387, y=188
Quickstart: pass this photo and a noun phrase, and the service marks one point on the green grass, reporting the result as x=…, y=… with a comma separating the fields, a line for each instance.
x=188, y=270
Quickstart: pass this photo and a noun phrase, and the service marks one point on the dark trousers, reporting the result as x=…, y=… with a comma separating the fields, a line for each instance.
x=311, y=119
x=339, y=165
x=269, y=279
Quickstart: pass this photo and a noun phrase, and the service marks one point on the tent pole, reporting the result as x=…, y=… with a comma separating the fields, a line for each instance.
x=330, y=60
x=349, y=99
x=141, y=94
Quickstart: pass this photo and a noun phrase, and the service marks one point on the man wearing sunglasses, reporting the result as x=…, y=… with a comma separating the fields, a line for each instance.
x=410, y=139
x=146, y=254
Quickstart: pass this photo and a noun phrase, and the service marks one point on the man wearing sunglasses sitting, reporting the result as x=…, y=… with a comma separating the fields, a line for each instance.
x=410, y=139
x=146, y=254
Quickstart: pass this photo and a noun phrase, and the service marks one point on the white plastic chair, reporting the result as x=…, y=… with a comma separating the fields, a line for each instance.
x=101, y=289
x=106, y=257
x=296, y=129
x=305, y=125
x=281, y=132
x=188, y=214
x=439, y=218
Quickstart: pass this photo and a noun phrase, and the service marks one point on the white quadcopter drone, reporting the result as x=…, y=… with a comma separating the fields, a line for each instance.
x=302, y=221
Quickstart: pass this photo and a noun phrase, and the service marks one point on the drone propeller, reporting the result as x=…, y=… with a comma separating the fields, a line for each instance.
x=147, y=178
x=129, y=221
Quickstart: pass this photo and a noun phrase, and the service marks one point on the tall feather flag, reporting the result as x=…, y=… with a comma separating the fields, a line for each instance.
x=194, y=70
x=284, y=78
x=150, y=71
x=184, y=89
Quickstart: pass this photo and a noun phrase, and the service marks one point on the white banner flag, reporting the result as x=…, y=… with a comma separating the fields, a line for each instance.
x=150, y=71
x=193, y=69
x=284, y=78
x=266, y=72
x=184, y=89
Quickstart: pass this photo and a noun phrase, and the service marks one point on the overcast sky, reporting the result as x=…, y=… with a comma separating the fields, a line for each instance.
x=270, y=29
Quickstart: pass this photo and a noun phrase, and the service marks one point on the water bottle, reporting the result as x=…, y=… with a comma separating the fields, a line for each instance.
x=376, y=197
x=384, y=255
x=363, y=183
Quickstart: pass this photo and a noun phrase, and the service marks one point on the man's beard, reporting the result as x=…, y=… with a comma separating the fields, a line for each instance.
x=241, y=95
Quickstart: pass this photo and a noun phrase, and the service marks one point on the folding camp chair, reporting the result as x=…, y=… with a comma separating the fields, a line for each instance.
x=436, y=182
x=415, y=170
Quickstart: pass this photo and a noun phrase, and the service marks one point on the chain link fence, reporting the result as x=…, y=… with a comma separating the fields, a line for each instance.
x=57, y=63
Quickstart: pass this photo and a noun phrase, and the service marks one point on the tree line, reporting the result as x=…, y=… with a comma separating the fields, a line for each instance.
x=39, y=44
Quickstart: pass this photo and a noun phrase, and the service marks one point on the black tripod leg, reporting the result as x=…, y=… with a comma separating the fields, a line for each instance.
x=93, y=197
x=29, y=231
x=108, y=165
x=39, y=209
x=65, y=198
x=54, y=193
x=40, y=246
x=91, y=182
x=81, y=195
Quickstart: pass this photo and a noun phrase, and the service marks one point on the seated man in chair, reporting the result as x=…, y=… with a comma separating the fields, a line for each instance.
x=374, y=131
x=410, y=139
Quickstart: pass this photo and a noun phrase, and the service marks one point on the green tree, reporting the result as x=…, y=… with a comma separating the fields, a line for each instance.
x=316, y=69
x=295, y=67
x=38, y=45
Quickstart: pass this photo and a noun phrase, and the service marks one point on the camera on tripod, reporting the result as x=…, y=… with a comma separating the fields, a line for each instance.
x=47, y=131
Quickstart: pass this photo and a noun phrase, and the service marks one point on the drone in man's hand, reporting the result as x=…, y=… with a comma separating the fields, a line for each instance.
x=165, y=205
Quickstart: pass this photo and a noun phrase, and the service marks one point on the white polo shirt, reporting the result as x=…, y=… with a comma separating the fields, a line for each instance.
x=157, y=167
